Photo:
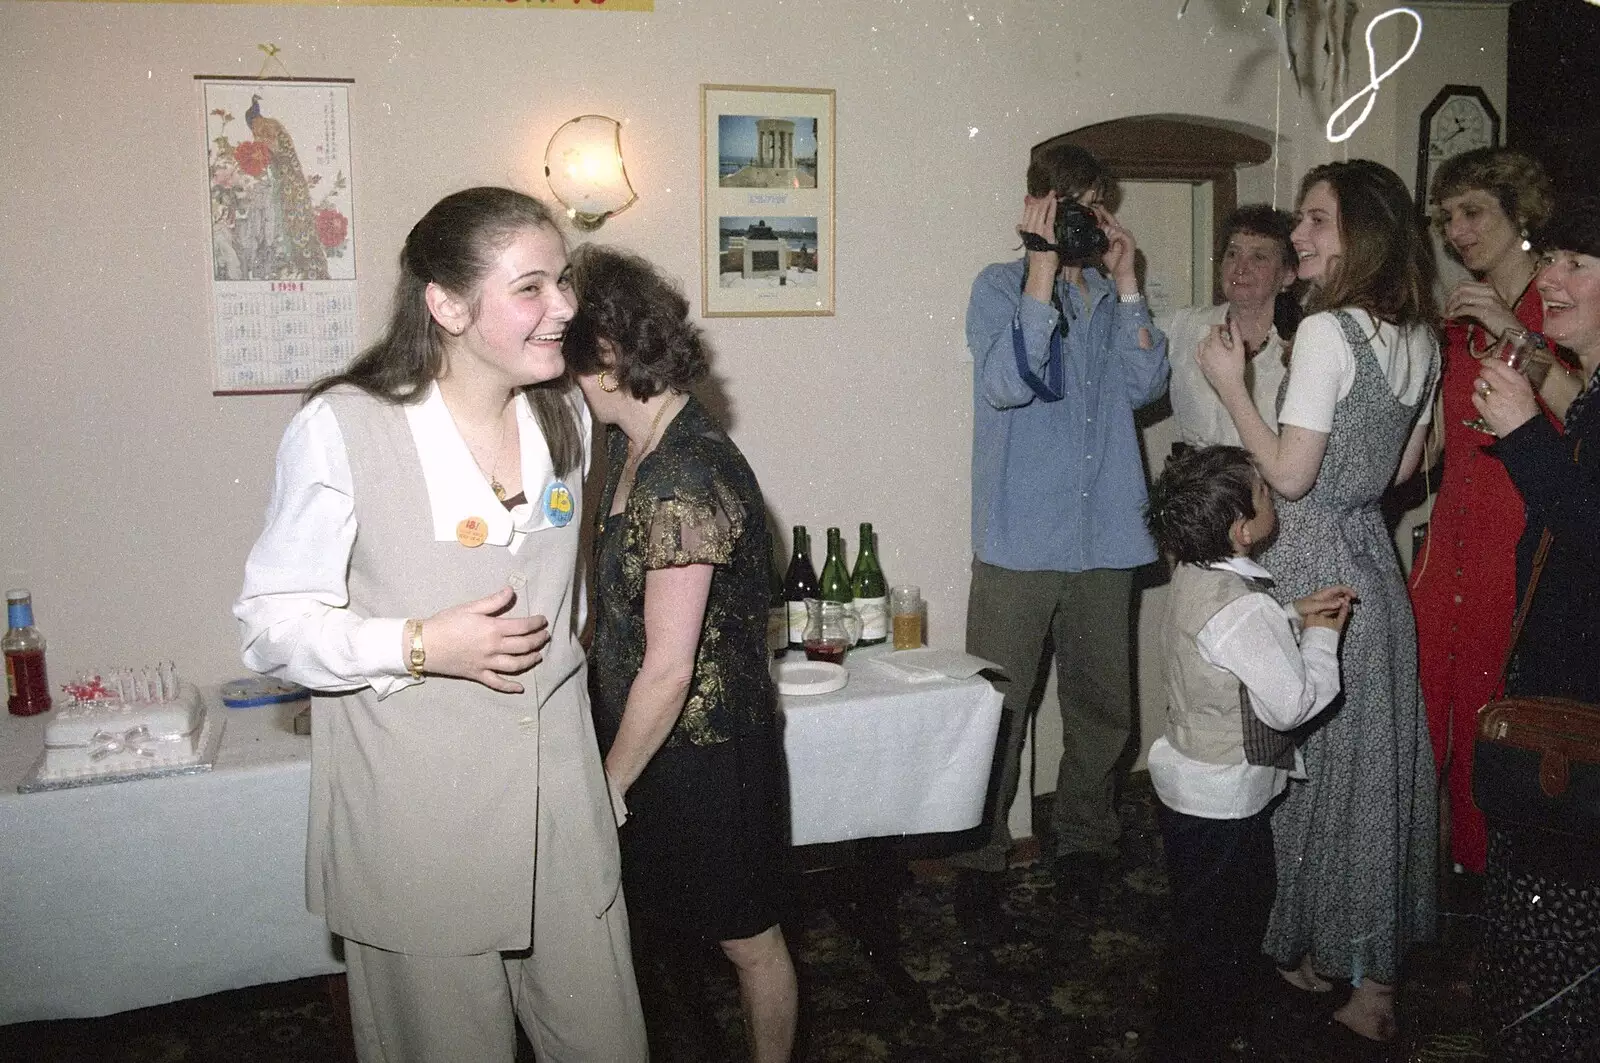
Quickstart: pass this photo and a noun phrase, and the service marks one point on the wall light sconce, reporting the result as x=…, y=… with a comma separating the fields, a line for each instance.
x=584, y=167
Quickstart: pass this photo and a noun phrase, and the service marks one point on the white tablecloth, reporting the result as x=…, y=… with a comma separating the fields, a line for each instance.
x=885, y=757
x=129, y=894
x=126, y=895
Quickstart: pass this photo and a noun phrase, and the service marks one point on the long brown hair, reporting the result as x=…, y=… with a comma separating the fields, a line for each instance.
x=454, y=246
x=1386, y=264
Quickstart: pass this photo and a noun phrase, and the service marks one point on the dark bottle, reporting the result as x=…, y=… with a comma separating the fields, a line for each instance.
x=26, y=683
x=799, y=584
x=835, y=582
x=870, y=590
x=777, y=606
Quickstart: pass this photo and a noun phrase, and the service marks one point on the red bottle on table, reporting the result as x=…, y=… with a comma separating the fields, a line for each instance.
x=26, y=683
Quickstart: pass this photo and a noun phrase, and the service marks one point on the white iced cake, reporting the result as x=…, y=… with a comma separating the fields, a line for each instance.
x=105, y=735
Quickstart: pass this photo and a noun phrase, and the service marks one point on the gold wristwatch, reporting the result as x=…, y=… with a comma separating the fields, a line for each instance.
x=415, y=657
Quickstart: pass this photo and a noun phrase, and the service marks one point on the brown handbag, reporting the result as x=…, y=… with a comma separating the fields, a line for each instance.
x=1536, y=760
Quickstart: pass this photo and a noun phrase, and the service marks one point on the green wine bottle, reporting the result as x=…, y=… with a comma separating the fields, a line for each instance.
x=870, y=591
x=835, y=582
x=798, y=585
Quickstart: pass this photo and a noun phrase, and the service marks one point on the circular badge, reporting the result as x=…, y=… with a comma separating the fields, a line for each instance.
x=472, y=531
x=557, y=503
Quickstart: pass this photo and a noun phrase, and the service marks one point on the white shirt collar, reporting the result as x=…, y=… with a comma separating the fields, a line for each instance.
x=1244, y=566
x=457, y=487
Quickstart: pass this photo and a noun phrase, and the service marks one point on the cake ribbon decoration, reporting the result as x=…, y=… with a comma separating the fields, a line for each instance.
x=136, y=740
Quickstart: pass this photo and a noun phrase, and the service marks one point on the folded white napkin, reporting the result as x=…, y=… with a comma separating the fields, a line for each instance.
x=929, y=664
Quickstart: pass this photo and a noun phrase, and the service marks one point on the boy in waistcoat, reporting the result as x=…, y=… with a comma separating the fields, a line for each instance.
x=1238, y=680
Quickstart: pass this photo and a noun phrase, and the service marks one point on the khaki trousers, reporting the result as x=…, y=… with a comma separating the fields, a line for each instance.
x=575, y=997
x=1012, y=617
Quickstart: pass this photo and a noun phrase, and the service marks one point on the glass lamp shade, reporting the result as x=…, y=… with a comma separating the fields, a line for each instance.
x=584, y=167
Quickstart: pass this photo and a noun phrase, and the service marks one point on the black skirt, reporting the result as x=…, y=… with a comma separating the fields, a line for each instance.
x=1536, y=982
x=704, y=848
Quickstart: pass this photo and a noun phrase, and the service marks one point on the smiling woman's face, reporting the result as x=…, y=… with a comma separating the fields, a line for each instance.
x=1253, y=270
x=1316, y=238
x=1569, y=284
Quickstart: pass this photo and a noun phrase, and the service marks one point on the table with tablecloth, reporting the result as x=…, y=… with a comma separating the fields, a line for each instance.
x=130, y=894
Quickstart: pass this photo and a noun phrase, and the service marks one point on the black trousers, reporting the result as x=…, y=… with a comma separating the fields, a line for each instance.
x=1222, y=876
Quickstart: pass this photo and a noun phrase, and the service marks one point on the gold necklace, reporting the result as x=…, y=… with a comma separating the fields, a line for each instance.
x=495, y=485
x=630, y=467
x=634, y=459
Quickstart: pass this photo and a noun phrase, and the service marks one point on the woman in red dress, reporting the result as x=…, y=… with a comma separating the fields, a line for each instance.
x=1463, y=585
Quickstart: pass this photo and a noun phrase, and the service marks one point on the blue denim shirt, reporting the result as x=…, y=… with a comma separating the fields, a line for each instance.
x=1059, y=485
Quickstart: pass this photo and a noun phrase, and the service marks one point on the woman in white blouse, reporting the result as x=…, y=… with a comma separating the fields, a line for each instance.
x=1257, y=273
x=1355, y=840
x=418, y=564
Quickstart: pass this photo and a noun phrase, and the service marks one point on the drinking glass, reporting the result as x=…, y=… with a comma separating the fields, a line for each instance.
x=1516, y=351
x=905, y=611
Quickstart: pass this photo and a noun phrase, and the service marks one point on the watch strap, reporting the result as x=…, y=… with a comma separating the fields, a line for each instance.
x=416, y=656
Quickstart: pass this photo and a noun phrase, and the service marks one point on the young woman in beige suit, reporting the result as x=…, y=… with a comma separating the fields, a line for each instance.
x=418, y=568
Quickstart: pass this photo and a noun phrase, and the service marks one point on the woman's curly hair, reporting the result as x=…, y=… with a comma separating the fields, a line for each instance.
x=625, y=302
x=1515, y=179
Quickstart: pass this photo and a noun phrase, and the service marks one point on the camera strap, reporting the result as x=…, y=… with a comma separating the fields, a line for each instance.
x=1053, y=387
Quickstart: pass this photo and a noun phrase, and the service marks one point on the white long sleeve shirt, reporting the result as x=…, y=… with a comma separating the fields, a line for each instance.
x=294, y=612
x=1289, y=681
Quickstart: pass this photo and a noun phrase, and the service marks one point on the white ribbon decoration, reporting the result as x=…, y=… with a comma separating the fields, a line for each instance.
x=135, y=740
x=1370, y=91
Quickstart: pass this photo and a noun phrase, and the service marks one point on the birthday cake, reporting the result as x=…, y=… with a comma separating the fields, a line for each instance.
x=129, y=725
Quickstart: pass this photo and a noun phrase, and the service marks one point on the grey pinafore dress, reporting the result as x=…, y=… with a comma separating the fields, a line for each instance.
x=1356, y=841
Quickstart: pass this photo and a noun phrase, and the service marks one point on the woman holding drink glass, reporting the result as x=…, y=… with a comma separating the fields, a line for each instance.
x=1463, y=583
x=1537, y=987
x=684, y=705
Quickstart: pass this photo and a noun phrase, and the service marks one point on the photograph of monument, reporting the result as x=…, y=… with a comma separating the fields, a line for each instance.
x=767, y=252
x=758, y=152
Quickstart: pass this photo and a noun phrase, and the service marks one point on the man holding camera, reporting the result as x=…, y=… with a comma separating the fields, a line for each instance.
x=1064, y=351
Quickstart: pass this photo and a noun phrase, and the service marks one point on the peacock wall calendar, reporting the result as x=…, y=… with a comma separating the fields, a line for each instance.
x=283, y=264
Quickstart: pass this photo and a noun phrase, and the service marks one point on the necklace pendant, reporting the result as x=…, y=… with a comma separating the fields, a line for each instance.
x=498, y=488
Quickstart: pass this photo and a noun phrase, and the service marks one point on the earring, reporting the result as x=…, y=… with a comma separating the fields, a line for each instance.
x=602, y=383
x=1527, y=244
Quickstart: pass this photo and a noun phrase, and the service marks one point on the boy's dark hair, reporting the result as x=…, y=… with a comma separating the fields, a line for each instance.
x=1067, y=170
x=1197, y=498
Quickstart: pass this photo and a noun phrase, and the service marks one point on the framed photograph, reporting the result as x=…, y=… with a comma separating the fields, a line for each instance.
x=766, y=201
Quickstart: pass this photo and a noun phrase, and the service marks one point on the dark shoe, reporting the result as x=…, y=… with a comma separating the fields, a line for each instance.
x=1079, y=880
x=977, y=897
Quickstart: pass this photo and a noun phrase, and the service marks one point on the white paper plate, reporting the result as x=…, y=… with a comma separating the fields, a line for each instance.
x=809, y=677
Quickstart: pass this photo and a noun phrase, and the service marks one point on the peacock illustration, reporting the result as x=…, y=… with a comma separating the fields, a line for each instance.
x=286, y=244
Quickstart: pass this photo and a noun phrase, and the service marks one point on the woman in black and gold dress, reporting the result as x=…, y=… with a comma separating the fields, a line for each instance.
x=684, y=705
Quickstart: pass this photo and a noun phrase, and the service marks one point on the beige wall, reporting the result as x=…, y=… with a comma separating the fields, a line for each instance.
x=131, y=495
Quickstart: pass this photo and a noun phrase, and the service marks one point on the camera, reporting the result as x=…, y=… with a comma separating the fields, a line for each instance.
x=1079, y=240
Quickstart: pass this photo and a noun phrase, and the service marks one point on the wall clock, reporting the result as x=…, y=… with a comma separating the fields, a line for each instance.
x=1459, y=119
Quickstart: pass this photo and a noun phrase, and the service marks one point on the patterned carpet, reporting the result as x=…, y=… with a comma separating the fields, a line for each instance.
x=1043, y=986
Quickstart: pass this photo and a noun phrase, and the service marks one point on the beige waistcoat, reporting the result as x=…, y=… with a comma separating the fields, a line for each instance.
x=1208, y=714
x=430, y=808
